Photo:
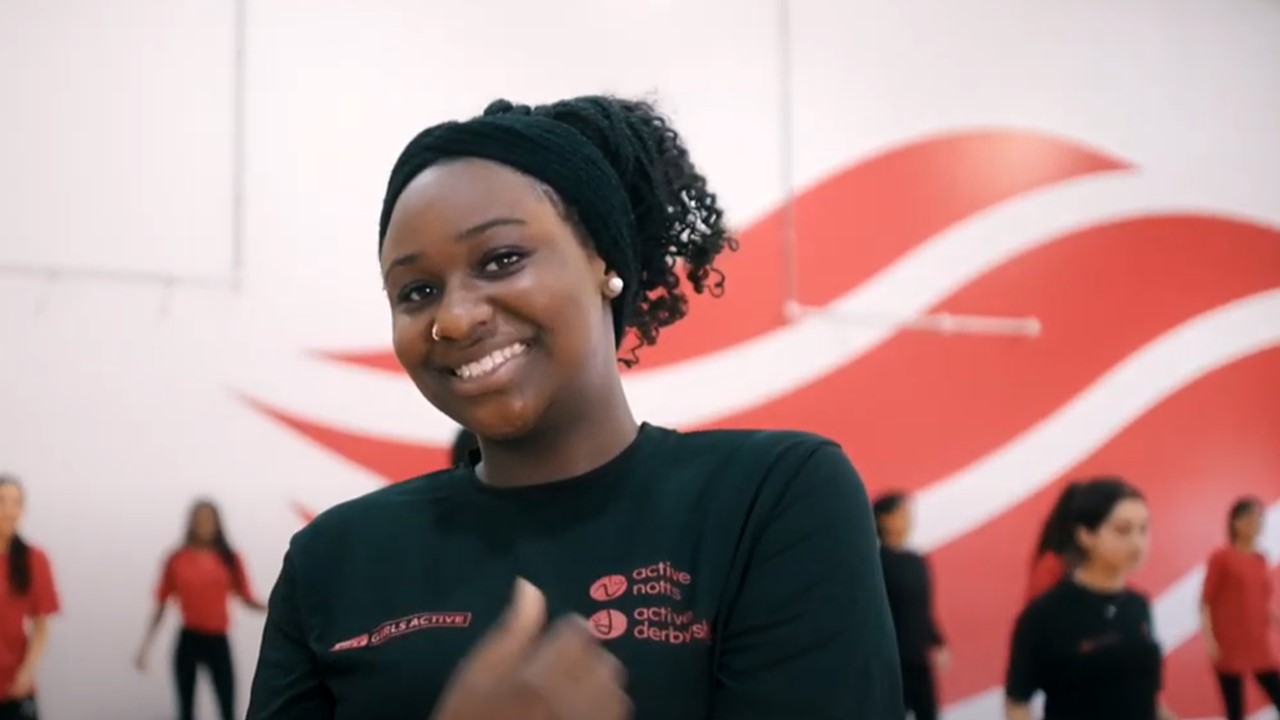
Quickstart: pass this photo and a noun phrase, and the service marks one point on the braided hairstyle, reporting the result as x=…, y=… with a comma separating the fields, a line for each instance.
x=676, y=225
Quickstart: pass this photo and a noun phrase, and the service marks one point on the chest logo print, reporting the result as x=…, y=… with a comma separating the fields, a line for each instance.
x=608, y=624
x=657, y=593
x=608, y=587
x=403, y=626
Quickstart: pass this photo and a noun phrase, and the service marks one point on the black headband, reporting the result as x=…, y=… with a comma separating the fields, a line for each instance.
x=552, y=152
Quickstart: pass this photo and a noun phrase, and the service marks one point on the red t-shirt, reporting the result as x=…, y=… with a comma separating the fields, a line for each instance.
x=203, y=584
x=1237, y=590
x=40, y=601
x=1048, y=570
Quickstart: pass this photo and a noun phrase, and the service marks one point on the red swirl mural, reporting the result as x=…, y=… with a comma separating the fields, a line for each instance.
x=919, y=408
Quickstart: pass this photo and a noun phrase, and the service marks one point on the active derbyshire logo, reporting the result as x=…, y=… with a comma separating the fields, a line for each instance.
x=654, y=621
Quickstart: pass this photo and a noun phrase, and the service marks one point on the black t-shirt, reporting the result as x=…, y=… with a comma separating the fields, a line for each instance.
x=734, y=573
x=1093, y=654
x=907, y=580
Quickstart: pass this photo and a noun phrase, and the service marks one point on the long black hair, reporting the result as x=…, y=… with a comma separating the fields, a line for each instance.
x=1241, y=507
x=1092, y=503
x=219, y=542
x=885, y=505
x=19, y=551
x=1055, y=535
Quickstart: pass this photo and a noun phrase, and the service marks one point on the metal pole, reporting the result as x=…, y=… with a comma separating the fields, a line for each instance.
x=239, y=20
x=786, y=156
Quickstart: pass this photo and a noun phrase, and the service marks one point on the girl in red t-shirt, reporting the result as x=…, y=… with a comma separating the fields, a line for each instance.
x=1049, y=565
x=27, y=595
x=203, y=574
x=1236, y=613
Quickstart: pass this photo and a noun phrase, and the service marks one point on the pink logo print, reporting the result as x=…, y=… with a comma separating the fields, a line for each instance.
x=607, y=624
x=608, y=587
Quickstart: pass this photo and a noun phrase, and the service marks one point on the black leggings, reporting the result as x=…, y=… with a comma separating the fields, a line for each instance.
x=1233, y=691
x=917, y=689
x=24, y=709
x=214, y=652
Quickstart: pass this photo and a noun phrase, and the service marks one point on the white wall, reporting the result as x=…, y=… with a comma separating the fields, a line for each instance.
x=122, y=400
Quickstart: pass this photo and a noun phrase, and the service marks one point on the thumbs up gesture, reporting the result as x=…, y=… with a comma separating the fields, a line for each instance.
x=518, y=671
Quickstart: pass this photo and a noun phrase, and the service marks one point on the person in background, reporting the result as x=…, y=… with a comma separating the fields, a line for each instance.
x=203, y=574
x=1049, y=562
x=909, y=584
x=27, y=595
x=463, y=444
x=1236, y=613
x=1089, y=643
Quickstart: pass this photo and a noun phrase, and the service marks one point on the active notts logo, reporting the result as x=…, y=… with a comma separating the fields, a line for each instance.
x=403, y=626
x=653, y=619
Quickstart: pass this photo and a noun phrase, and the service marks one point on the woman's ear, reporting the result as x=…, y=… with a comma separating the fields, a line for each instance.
x=1084, y=541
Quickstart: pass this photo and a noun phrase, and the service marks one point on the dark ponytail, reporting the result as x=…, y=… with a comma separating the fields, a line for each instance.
x=623, y=178
x=1056, y=534
x=19, y=552
x=19, y=566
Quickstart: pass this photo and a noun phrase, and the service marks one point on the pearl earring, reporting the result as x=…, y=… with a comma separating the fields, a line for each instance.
x=613, y=288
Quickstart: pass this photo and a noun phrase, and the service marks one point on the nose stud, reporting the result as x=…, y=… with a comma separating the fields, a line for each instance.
x=435, y=332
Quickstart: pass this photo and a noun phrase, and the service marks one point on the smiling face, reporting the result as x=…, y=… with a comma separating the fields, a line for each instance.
x=482, y=253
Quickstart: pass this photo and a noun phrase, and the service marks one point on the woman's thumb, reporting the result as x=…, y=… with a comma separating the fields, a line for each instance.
x=516, y=631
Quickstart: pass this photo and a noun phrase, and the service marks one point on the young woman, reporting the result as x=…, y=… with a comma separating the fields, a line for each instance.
x=1236, y=612
x=1089, y=644
x=27, y=599
x=203, y=575
x=908, y=581
x=1049, y=564
x=725, y=574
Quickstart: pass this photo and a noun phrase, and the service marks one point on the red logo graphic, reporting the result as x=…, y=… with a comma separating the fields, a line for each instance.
x=1194, y=427
x=607, y=624
x=609, y=587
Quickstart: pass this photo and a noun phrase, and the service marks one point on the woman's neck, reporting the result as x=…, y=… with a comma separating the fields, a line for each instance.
x=1100, y=579
x=1245, y=544
x=561, y=450
x=893, y=542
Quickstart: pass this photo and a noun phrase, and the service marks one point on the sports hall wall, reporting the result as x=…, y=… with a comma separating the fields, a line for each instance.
x=190, y=302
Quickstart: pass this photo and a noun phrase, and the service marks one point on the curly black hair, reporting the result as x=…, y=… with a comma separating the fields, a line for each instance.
x=678, y=220
x=675, y=225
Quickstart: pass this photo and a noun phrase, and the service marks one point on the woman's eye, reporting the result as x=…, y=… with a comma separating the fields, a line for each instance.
x=502, y=261
x=416, y=293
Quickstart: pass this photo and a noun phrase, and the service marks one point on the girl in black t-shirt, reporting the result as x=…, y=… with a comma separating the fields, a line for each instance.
x=1089, y=644
x=585, y=565
x=909, y=585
